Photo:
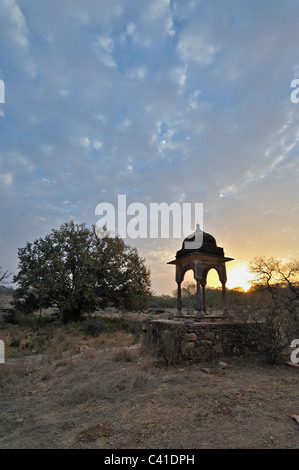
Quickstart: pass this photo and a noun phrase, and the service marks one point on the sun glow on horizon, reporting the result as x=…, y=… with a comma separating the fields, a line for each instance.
x=239, y=276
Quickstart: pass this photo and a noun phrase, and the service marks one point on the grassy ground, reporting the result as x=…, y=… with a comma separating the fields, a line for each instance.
x=61, y=387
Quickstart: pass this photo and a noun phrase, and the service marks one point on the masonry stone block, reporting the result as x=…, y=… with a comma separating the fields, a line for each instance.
x=204, y=341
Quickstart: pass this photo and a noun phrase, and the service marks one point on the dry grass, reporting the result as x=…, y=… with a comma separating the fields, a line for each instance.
x=20, y=369
x=104, y=392
x=124, y=355
x=21, y=342
x=95, y=432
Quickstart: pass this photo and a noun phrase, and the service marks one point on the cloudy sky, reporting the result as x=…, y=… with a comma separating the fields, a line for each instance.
x=161, y=101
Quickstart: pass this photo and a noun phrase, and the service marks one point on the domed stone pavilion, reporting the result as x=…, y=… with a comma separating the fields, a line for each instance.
x=200, y=253
x=188, y=339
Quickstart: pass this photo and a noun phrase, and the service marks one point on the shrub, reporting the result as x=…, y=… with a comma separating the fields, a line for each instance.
x=123, y=355
x=93, y=327
x=12, y=316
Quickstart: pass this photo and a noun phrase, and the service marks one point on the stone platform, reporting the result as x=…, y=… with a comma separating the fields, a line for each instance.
x=201, y=318
x=177, y=341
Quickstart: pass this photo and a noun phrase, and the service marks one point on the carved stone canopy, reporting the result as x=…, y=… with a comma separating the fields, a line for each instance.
x=200, y=265
x=200, y=253
x=199, y=242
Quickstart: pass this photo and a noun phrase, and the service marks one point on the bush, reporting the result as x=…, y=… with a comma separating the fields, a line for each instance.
x=11, y=316
x=134, y=327
x=123, y=355
x=162, y=301
x=93, y=327
x=115, y=323
x=163, y=346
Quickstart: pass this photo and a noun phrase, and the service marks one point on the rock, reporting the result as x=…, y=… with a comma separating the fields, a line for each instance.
x=295, y=418
x=206, y=370
x=218, y=348
x=209, y=335
x=81, y=349
x=222, y=364
x=190, y=337
x=187, y=348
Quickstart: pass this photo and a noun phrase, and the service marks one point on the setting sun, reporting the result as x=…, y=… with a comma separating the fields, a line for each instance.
x=239, y=276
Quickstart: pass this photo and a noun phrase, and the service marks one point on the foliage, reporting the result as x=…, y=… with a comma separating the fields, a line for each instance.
x=4, y=291
x=189, y=295
x=162, y=301
x=213, y=296
x=278, y=285
x=75, y=271
x=95, y=326
x=274, y=298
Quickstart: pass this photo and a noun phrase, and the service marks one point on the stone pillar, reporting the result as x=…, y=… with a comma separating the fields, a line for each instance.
x=224, y=299
x=204, y=304
x=198, y=299
x=179, y=300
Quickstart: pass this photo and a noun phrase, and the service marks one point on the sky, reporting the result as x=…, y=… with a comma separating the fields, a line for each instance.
x=185, y=101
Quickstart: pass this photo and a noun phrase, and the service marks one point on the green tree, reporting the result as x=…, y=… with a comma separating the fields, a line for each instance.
x=75, y=271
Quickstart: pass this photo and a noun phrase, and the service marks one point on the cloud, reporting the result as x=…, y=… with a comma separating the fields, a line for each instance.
x=193, y=48
x=5, y=180
x=162, y=101
x=14, y=26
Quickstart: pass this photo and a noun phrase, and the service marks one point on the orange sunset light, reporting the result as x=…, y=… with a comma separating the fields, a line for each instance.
x=239, y=276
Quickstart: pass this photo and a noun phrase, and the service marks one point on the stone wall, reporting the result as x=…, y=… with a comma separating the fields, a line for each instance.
x=178, y=341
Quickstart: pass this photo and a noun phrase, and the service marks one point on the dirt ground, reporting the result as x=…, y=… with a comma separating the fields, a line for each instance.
x=120, y=398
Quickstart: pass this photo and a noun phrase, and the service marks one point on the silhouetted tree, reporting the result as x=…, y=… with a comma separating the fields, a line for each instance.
x=275, y=298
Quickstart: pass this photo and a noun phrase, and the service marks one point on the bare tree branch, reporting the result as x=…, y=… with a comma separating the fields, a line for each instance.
x=4, y=275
